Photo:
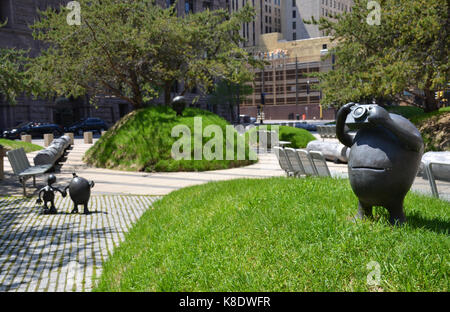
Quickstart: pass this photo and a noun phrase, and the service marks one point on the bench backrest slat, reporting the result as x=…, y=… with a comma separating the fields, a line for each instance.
x=18, y=160
x=295, y=161
x=320, y=163
x=283, y=160
x=307, y=162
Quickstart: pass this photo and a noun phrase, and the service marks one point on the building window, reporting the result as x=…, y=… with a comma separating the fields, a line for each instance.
x=293, y=3
x=294, y=36
x=294, y=26
x=294, y=15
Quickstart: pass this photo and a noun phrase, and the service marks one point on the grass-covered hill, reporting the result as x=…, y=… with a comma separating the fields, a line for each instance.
x=142, y=141
x=434, y=126
x=299, y=138
x=279, y=234
x=13, y=144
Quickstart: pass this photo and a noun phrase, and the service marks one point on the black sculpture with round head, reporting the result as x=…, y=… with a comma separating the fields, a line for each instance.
x=80, y=192
x=48, y=195
x=179, y=104
x=384, y=157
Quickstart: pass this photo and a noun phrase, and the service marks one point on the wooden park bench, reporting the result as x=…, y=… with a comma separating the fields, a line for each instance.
x=22, y=168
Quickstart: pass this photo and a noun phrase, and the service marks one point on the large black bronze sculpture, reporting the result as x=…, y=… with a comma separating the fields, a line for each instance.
x=384, y=158
x=49, y=195
x=80, y=192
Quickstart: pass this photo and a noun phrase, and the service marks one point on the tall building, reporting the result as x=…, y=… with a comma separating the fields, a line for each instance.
x=294, y=12
x=192, y=6
x=268, y=19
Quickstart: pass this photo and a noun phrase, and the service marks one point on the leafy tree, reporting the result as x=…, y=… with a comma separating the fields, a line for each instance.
x=135, y=50
x=14, y=77
x=231, y=94
x=408, y=51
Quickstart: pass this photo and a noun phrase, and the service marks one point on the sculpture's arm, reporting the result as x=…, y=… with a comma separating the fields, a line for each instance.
x=410, y=138
x=92, y=184
x=39, y=200
x=343, y=136
x=63, y=192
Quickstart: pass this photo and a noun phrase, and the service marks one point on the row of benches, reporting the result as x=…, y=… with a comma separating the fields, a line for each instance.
x=300, y=162
x=327, y=131
x=44, y=161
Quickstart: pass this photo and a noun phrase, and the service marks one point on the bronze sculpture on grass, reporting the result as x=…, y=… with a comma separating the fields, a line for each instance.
x=384, y=158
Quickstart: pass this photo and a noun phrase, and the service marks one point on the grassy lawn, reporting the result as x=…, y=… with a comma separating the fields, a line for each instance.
x=28, y=147
x=142, y=141
x=299, y=138
x=279, y=234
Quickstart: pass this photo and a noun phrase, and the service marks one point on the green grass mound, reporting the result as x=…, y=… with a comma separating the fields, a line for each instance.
x=415, y=114
x=11, y=145
x=142, y=141
x=279, y=234
x=298, y=137
x=408, y=112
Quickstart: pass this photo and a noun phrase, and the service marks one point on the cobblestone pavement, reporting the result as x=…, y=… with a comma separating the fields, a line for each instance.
x=62, y=252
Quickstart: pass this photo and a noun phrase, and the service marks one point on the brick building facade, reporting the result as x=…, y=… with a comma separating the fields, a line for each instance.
x=288, y=92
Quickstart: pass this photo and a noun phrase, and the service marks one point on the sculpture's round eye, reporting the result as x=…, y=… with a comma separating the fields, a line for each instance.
x=359, y=112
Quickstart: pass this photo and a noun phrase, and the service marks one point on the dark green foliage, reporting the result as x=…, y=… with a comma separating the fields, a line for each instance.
x=407, y=51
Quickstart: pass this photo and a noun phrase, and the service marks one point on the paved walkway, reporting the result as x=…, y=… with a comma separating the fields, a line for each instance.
x=142, y=183
x=62, y=252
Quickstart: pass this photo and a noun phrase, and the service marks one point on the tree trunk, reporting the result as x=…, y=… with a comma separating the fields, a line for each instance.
x=431, y=103
x=167, y=89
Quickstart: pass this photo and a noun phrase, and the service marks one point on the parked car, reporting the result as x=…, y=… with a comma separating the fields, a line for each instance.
x=88, y=124
x=35, y=129
x=245, y=119
x=306, y=126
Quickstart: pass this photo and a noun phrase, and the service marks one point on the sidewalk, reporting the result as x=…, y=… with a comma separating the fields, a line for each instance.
x=137, y=183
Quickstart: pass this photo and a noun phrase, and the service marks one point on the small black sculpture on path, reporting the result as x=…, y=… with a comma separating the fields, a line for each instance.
x=49, y=195
x=384, y=158
x=80, y=192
